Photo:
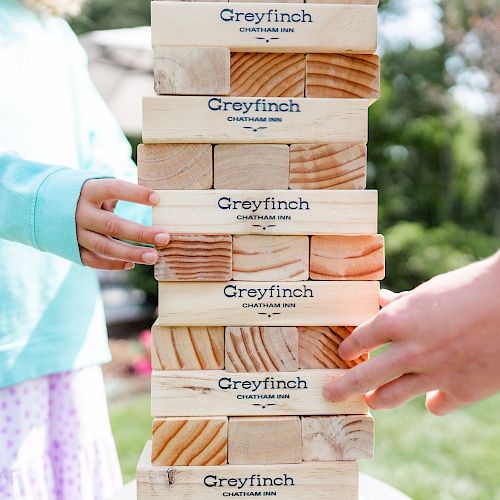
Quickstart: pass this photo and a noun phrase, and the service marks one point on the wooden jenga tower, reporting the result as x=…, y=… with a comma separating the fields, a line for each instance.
x=256, y=144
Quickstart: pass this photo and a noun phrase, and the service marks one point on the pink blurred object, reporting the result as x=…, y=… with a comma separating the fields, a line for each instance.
x=142, y=366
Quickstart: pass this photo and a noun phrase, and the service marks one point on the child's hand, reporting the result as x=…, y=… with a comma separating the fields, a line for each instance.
x=97, y=226
x=444, y=341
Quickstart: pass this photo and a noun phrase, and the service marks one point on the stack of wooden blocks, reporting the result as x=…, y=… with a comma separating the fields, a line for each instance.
x=256, y=144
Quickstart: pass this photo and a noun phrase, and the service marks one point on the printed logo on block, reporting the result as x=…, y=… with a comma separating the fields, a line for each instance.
x=253, y=481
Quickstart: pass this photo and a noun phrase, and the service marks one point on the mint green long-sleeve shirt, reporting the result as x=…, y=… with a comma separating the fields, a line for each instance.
x=55, y=133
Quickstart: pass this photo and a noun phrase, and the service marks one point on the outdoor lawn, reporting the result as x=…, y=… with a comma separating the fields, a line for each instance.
x=429, y=458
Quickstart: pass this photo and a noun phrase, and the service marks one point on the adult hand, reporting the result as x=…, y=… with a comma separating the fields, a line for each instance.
x=98, y=229
x=444, y=340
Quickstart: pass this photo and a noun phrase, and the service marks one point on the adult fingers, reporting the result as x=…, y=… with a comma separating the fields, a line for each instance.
x=114, y=189
x=107, y=247
x=388, y=296
x=90, y=259
x=441, y=403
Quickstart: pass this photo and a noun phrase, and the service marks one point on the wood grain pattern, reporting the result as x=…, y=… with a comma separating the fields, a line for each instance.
x=261, y=349
x=318, y=347
x=220, y=393
x=347, y=257
x=264, y=440
x=345, y=437
x=261, y=303
x=189, y=441
x=251, y=166
x=195, y=257
x=343, y=76
x=319, y=481
x=270, y=258
x=191, y=70
x=327, y=166
x=278, y=120
x=268, y=75
x=286, y=212
x=316, y=28
x=187, y=348
x=175, y=166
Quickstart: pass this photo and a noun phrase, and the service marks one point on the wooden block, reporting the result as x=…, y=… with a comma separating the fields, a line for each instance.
x=187, y=348
x=191, y=70
x=344, y=437
x=270, y=258
x=175, y=166
x=262, y=27
x=347, y=257
x=343, y=76
x=262, y=349
x=286, y=212
x=264, y=440
x=199, y=119
x=195, y=257
x=318, y=347
x=320, y=481
x=251, y=166
x=350, y=2
x=327, y=166
x=268, y=75
x=220, y=393
x=189, y=441
x=260, y=303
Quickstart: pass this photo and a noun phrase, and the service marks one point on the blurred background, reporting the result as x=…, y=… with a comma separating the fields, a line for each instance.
x=434, y=155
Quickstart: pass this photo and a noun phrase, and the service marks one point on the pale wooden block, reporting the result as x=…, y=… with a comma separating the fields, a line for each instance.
x=347, y=257
x=259, y=303
x=276, y=212
x=350, y=2
x=268, y=74
x=264, y=440
x=261, y=349
x=195, y=257
x=344, y=437
x=343, y=76
x=175, y=166
x=279, y=120
x=327, y=166
x=263, y=27
x=251, y=166
x=189, y=441
x=191, y=70
x=319, y=345
x=270, y=258
x=220, y=393
x=187, y=347
x=319, y=481
x=268, y=1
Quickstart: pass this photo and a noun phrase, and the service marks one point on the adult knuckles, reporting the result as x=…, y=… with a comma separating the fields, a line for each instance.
x=102, y=247
x=112, y=226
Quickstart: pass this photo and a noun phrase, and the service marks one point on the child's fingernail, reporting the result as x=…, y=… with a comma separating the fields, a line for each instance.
x=154, y=198
x=162, y=238
x=128, y=266
x=149, y=257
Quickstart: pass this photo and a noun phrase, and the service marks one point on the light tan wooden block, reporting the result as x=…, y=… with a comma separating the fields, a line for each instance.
x=319, y=481
x=251, y=166
x=187, y=347
x=189, y=441
x=269, y=1
x=191, y=70
x=264, y=440
x=319, y=345
x=347, y=257
x=261, y=27
x=276, y=212
x=195, y=257
x=270, y=258
x=261, y=303
x=343, y=76
x=327, y=166
x=279, y=120
x=349, y=2
x=268, y=74
x=220, y=393
x=344, y=437
x=261, y=349
x=175, y=166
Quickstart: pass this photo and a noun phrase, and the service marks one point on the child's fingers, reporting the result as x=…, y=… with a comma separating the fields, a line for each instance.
x=108, y=247
x=101, y=190
x=95, y=261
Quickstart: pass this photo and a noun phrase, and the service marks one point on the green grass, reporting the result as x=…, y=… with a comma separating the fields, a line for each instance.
x=429, y=458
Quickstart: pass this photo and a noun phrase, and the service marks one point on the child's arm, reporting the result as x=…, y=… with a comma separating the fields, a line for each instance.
x=444, y=341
